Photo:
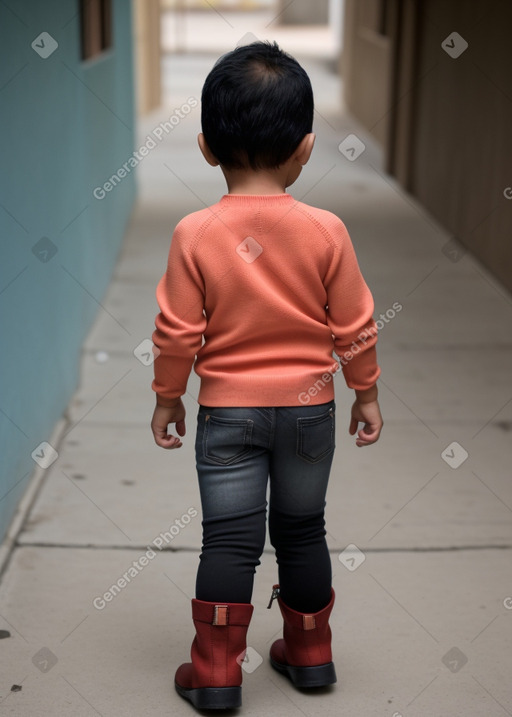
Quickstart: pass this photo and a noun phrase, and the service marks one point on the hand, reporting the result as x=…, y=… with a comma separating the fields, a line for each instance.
x=367, y=412
x=162, y=416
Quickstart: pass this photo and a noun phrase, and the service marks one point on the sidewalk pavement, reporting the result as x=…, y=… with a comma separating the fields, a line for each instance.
x=419, y=525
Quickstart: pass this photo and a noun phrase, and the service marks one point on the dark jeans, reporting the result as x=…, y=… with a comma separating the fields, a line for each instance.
x=237, y=451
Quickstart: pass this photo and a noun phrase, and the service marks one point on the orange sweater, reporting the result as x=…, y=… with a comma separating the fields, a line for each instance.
x=273, y=286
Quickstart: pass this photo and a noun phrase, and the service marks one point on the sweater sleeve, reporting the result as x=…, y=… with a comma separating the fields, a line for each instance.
x=349, y=314
x=181, y=321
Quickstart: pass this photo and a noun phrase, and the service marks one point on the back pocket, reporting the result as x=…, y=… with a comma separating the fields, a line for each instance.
x=226, y=440
x=315, y=436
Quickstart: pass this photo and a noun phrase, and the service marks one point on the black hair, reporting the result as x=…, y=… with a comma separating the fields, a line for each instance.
x=257, y=106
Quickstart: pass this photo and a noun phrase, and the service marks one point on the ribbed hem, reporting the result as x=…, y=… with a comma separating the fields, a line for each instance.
x=252, y=199
x=247, y=390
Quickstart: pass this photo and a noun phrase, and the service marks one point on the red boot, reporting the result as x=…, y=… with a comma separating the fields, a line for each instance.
x=213, y=679
x=304, y=654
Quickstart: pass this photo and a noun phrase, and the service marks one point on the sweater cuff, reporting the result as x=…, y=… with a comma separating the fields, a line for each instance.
x=362, y=370
x=171, y=375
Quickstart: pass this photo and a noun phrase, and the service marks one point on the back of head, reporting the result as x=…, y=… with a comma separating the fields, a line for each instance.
x=257, y=106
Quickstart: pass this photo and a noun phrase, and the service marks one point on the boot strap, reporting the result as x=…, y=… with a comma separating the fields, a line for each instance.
x=220, y=615
x=308, y=622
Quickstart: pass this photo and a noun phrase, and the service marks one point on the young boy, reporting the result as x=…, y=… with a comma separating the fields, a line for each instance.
x=260, y=290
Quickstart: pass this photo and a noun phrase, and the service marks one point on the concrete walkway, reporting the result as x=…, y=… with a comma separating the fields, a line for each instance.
x=419, y=525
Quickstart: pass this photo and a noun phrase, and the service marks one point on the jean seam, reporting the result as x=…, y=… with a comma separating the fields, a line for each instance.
x=302, y=421
x=247, y=447
x=272, y=430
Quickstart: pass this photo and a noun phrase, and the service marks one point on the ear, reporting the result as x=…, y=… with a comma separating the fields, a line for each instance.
x=303, y=151
x=206, y=151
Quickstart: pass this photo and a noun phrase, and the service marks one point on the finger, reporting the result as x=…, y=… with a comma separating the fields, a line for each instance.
x=170, y=442
x=367, y=435
x=174, y=443
x=165, y=440
x=353, y=426
x=180, y=427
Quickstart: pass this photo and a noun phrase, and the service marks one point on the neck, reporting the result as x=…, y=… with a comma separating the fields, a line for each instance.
x=258, y=182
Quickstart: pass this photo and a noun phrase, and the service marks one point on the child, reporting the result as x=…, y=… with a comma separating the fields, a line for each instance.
x=273, y=287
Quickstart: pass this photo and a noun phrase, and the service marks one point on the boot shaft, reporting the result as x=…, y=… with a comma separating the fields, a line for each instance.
x=218, y=648
x=307, y=637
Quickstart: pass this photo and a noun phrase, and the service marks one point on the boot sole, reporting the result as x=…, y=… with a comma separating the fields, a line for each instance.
x=212, y=698
x=315, y=676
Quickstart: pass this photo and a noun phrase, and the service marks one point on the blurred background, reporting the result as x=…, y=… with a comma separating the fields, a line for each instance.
x=99, y=113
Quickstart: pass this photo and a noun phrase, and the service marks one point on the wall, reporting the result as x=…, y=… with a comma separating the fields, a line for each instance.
x=366, y=66
x=444, y=121
x=148, y=76
x=65, y=127
x=461, y=140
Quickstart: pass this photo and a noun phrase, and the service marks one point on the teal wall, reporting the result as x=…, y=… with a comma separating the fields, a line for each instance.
x=65, y=127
